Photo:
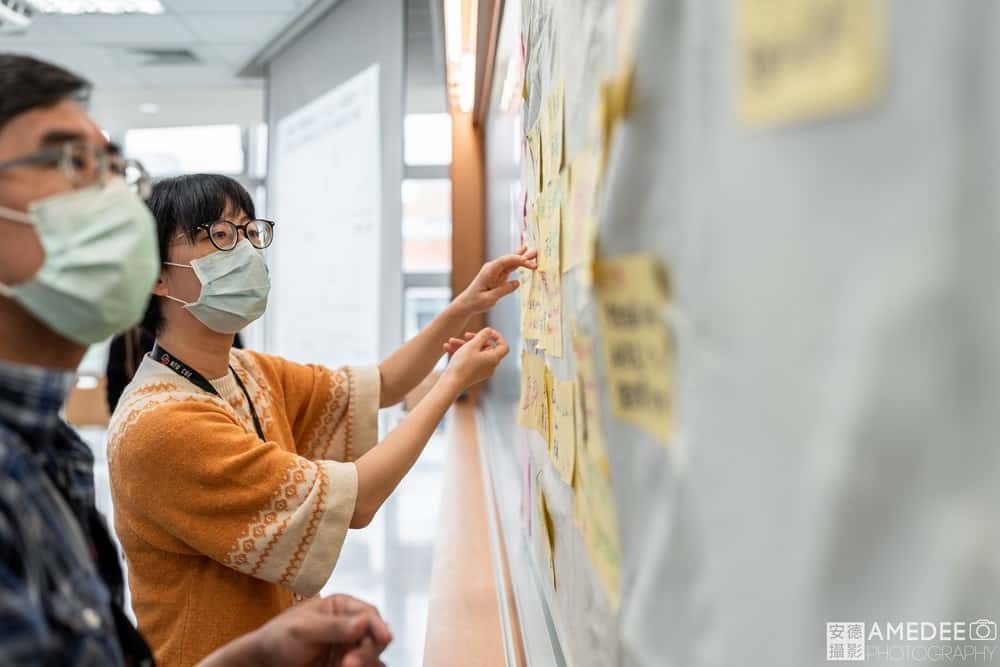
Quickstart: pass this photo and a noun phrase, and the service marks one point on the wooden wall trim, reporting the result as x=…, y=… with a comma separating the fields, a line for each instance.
x=468, y=232
x=490, y=13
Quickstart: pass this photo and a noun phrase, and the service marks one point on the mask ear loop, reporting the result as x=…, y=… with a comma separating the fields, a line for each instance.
x=16, y=216
x=173, y=298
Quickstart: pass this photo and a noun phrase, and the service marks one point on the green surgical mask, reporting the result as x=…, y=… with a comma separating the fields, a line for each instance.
x=101, y=261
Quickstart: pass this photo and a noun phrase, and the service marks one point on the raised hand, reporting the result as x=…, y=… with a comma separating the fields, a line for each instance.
x=493, y=281
x=474, y=358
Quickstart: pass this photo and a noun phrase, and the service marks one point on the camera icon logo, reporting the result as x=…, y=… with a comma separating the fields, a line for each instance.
x=982, y=630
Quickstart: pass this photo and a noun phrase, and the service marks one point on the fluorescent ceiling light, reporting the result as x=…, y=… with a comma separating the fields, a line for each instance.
x=98, y=6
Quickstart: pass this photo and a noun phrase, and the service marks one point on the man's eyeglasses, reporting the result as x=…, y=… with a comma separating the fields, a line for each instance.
x=84, y=164
x=224, y=234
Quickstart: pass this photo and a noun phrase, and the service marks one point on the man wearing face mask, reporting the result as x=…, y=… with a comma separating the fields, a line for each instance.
x=78, y=258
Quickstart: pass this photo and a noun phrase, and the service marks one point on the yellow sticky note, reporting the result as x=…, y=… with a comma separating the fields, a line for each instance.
x=604, y=549
x=533, y=308
x=551, y=304
x=533, y=408
x=534, y=139
x=547, y=534
x=549, y=384
x=524, y=278
x=594, y=514
x=533, y=316
x=564, y=184
x=525, y=50
x=550, y=227
x=632, y=294
x=580, y=214
x=546, y=300
x=589, y=431
x=531, y=235
x=552, y=133
x=614, y=104
x=531, y=227
x=563, y=428
x=628, y=20
x=799, y=59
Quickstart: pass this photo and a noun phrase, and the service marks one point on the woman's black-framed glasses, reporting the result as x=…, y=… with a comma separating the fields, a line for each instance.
x=224, y=234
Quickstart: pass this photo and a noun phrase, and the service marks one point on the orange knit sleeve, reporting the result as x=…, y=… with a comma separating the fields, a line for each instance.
x=189, y=469
x=333, y=413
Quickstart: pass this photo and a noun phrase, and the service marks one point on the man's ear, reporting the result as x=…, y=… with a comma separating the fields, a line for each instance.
x=160, y=289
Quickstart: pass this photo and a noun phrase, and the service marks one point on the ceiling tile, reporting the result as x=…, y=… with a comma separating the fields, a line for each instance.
x=234, y=6
x=187, y=75
x=235, y=54
x=81, y=59
x=113, y=78
x=223, y=34
x=254, y=28
x=134, y=56
x=43, y=30
x=132, y=29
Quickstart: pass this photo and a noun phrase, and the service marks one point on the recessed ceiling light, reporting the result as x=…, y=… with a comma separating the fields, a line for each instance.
x=98, y=6
x=149, y=107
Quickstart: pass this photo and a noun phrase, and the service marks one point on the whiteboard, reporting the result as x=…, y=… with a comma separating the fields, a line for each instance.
x=833, y=298
x=327, y=206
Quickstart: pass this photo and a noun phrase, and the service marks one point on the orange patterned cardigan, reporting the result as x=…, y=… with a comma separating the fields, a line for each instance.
x=220, y=530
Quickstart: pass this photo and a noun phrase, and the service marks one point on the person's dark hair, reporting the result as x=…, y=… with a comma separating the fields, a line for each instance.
x=182, y=203
x=28, y=84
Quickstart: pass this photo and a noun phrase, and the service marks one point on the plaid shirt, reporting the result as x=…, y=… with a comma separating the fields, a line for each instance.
x=60, y=582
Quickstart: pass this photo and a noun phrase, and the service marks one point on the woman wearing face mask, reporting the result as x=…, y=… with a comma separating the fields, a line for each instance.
x=235, y=474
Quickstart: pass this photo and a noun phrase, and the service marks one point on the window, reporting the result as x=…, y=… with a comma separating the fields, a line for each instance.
x=426, y=251
x=427, y=225
x=169, y=151
x=426, y=194
x=421, y=305
x=427, y=139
